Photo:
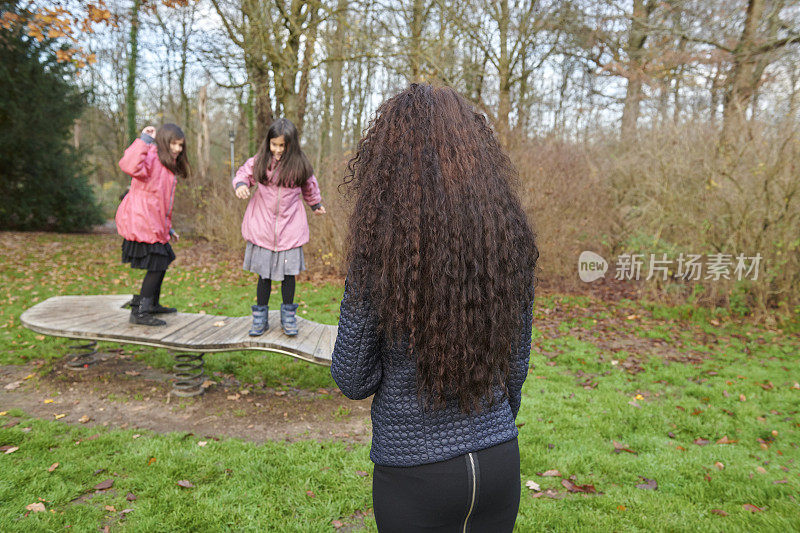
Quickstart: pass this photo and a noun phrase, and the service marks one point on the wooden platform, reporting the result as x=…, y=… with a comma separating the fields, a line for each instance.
x=101, y=318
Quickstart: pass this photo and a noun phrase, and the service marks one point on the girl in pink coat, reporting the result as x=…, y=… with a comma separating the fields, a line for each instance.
x=144, y=218
x=275, y=224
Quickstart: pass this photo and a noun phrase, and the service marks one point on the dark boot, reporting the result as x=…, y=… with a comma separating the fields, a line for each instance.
x=133, y=302
x=289, y=318
x=260, y=320
x=159, y=309
x=143, y=314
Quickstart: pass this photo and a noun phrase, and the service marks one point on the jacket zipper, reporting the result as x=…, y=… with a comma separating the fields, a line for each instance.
x=277, y=210
x=474, y=490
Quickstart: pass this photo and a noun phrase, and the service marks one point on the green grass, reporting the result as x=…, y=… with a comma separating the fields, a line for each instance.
x=742, y=390
x=237, y=486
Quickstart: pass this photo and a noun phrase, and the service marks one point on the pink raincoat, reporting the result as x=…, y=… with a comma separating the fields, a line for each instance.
x=275, y=218
x=145, y=214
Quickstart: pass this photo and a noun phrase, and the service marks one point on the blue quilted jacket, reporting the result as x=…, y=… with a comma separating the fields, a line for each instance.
x=403, y=433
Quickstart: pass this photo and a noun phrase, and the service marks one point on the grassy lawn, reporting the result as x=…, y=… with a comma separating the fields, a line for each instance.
x=703, y=409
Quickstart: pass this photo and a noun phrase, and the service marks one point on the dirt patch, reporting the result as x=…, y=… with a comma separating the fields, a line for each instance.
x=120, y=392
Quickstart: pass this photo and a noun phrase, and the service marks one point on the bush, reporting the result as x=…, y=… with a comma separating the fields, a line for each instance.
x=43, y=184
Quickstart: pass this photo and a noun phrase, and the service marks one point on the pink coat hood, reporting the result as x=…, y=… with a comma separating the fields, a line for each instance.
x=145, y=214
x=275, y=218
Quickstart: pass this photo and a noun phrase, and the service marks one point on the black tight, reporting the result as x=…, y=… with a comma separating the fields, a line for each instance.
x=151, y=284
x=264, y=285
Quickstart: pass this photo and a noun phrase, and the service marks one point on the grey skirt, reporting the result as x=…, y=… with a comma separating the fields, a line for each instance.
x=273, y=265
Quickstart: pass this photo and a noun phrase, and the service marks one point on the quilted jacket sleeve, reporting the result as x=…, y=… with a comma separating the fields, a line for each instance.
x=518, y=369
x=356, y=362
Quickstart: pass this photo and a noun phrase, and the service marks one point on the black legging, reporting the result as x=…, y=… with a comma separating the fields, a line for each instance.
x=263, y=288
x=481, y=492
x=151, y=284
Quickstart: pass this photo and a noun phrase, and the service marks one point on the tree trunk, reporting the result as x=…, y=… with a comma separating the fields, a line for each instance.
x=504, y=75
x=415, y=54
x=335, y=68
x=130, y=93
x=635, y=49
x=203, y=140
x=743, y=83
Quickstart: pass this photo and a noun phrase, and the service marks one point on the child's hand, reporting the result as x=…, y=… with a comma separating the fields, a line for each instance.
x=150, y=130
x=320, y=211
x=243, y=192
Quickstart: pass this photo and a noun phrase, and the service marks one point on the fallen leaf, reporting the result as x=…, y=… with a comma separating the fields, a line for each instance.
x=151, y=461
x=233, y=397
x=13, y=385
x=37, y=507
x=49, y=400
x=3, y=413
x=111, y=508
x=208, y=383
x=719, y=465
x=649, y=484
x=752, y=508
x=636, y=405
x=761, y=470
x=59, y=417
x=131, y=497
x=780, y=481
x=310, y=494
x=125, y=511
x=131, y=373
x=620, y=447
x=533, y=485
x=202, y=443
x=796, y=386
x=104, y=485
x=361, y=473
x=337, y=523
x=136, y=436
x=719, y=512
x=186, y=484
x=621, y=508
x=29, y=376
x=574, y=487
x=12, y=449
x=550, y=473
x=742, y=398
x=549, y=493
x=219, y=324
x=700, y=442
x=52, y=467
x=84, y=419
x=726, y=440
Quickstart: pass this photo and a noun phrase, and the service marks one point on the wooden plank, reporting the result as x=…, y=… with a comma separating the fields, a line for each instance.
x=184, y=335
x=309, y=342
x=102, y=318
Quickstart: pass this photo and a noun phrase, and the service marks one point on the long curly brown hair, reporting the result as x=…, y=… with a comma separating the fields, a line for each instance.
x=439, y=242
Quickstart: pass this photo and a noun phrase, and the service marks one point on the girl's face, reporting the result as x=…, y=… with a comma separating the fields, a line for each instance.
x=176, y=147
x=277, y=145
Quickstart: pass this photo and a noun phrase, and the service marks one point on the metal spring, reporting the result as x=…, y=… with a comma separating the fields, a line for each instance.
x=189, y=374
x=85, y=357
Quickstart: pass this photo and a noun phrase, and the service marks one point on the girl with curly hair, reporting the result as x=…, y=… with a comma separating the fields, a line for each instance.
x=436, y=316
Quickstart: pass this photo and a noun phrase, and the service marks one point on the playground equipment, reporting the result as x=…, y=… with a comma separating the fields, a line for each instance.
x=191, y=335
